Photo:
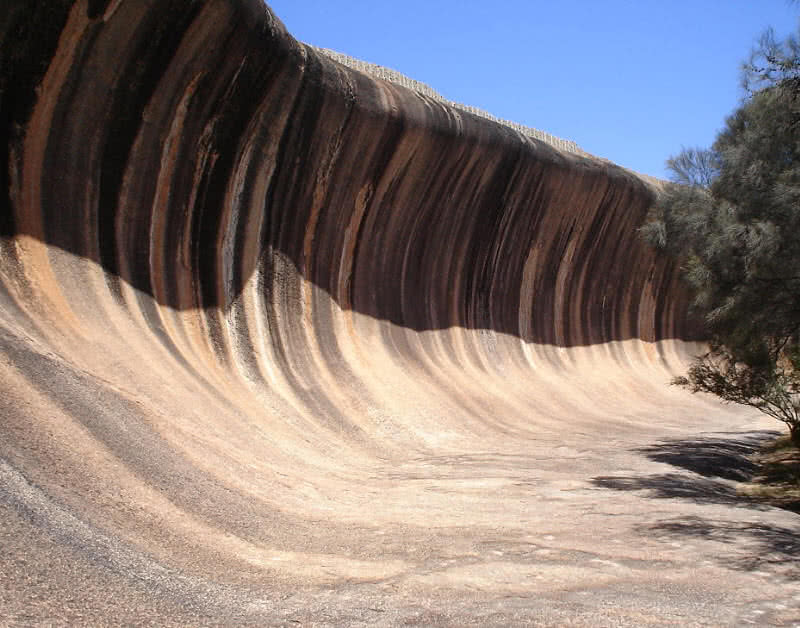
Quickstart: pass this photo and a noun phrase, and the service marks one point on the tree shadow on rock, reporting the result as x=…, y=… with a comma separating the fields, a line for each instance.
x=715, y=465
x=678, y=486
x=752, y=546
x=726, y=458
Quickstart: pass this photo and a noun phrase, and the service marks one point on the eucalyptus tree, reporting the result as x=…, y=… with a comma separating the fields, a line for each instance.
x=732, y=217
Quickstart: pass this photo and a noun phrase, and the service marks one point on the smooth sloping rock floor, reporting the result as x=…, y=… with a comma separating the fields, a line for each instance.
x=638, y=523
x=283, y=344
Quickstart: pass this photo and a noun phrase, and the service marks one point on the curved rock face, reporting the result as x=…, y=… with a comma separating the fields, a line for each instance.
x=271, y=327
x=192, y=151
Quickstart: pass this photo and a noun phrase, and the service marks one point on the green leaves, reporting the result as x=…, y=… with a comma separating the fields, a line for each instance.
x=731, y=218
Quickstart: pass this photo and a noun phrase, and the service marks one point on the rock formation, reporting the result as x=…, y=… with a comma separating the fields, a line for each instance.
x=271, y=326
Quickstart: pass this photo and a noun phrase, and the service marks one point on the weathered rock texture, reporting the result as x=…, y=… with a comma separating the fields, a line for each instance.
x=396, y=77
x=281, y=341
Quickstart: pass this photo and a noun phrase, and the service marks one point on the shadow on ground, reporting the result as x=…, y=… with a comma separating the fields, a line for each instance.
x=750, y=546
x=726, y=458
x=715, y=464
x=708, y=471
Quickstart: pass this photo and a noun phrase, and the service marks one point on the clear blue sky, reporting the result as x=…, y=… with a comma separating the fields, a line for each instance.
x=629, y=80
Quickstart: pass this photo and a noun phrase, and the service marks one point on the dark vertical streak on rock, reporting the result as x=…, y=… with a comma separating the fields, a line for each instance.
x=29, y=36
x=267, y=320
x=159, y=38
x=431, y=173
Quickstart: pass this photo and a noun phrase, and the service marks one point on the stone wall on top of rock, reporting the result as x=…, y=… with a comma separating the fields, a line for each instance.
x=270, y=325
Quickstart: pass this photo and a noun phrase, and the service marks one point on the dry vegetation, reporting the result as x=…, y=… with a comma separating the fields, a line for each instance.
x=777, y=481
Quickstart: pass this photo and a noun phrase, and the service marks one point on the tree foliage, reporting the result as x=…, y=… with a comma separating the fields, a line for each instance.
x=732, y=217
